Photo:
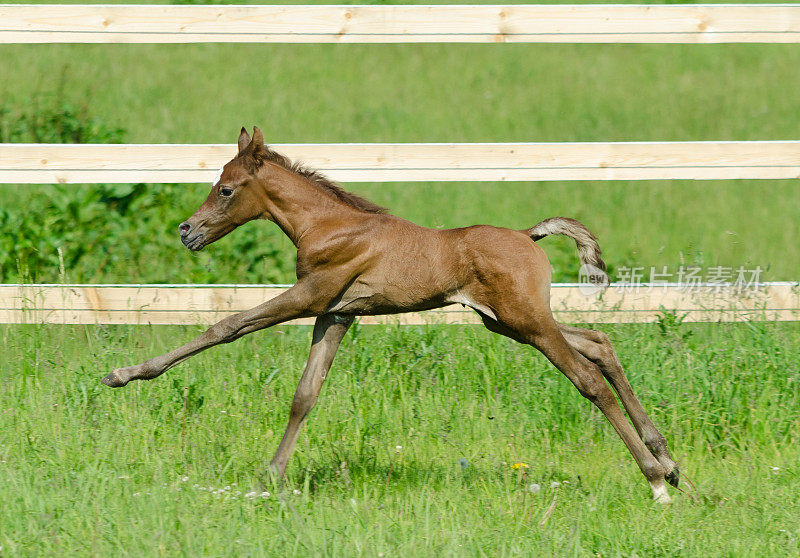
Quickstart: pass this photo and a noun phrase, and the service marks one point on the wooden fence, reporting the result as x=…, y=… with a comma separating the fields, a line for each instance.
x=710, y=23
x=381, y=162
x=205, y=304
x=202, y=304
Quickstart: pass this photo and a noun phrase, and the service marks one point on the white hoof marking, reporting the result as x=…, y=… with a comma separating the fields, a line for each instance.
x=660, y=494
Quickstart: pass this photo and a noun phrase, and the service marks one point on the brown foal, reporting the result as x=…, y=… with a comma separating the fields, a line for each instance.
x=354, y=259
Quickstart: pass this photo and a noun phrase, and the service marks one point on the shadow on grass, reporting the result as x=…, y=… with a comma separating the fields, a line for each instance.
x=403, y=473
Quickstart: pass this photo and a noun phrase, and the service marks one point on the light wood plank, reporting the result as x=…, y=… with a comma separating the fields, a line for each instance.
x=154, y=304
x=401, y=23
x=384, y=162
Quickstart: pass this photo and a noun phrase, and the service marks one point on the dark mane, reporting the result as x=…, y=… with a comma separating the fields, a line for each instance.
x=323, y=183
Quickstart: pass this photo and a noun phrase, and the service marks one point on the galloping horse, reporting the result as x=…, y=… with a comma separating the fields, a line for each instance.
x=354, y=259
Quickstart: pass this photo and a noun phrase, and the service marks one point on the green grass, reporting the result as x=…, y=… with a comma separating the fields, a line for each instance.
x=89, y=470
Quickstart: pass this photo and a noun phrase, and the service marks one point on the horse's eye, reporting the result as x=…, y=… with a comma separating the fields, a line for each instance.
x=226, y=192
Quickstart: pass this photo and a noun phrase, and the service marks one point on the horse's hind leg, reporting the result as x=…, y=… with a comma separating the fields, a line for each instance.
x=596, y=346
x=545, y=335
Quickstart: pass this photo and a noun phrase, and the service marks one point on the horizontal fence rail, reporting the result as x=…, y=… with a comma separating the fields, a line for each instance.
x=710, y=23
x=205, y=304
x=386, y=162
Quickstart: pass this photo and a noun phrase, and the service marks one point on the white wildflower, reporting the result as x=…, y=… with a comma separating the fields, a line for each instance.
x=555, y=484
x=534, y=488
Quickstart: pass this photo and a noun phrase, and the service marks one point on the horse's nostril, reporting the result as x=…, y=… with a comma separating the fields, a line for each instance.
x=184, y=228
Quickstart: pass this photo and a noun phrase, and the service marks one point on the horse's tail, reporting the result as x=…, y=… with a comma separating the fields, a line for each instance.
x=594, y=268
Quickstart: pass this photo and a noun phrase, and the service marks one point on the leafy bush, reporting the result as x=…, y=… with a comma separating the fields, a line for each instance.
x=115, y=233
x=52, y=118
x=126, y=233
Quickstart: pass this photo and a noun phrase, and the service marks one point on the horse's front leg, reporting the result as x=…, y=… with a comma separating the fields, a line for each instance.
x=302, y=300
x=329, y=330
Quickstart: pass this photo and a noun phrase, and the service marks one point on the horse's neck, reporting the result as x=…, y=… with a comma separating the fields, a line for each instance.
x=296, y=205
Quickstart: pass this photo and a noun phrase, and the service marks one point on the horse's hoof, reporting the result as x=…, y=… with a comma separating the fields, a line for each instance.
x=673, y=477
x=112, y=380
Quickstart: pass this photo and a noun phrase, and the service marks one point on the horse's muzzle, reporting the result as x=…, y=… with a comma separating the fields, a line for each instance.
x=193, y=242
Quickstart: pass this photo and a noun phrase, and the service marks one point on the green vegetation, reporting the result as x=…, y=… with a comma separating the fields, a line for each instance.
x=89, y=470
x=85, y=470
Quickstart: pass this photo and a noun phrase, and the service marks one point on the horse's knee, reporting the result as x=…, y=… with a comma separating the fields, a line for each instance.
x=222, y=331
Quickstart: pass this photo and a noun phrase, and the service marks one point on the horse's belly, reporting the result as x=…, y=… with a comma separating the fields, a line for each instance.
x=364, y=301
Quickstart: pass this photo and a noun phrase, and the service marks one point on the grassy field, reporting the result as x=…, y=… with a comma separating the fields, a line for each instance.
x=87, y=470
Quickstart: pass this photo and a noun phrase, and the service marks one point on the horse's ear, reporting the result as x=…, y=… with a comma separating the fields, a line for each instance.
x=258, y=142
x=253, y=151
x=244, y=139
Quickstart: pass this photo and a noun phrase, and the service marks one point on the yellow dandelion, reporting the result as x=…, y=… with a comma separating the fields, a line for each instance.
x=519, y=466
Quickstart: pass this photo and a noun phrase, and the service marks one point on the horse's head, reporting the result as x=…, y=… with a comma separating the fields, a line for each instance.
x=234, y=199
